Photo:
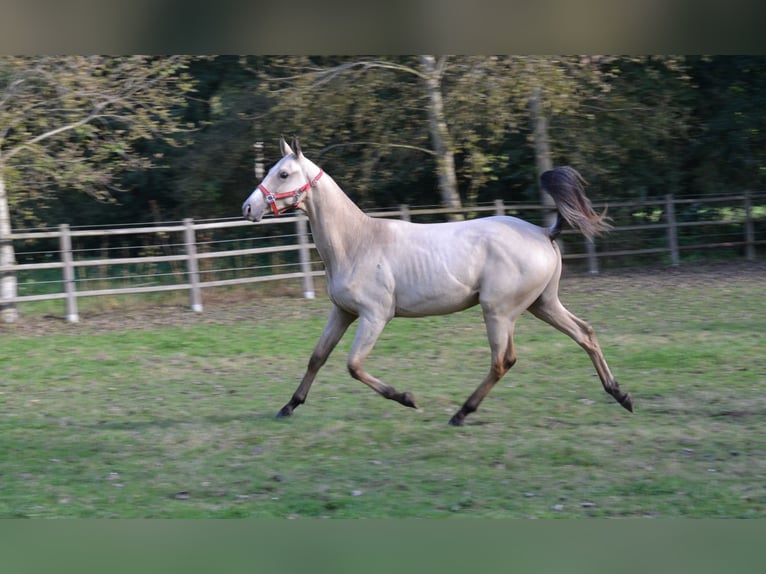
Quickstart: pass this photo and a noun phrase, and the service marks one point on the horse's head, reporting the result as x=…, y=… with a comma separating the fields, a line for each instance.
x=284, y=187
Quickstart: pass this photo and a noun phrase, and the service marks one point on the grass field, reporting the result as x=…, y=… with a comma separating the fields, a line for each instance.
x=164, y=413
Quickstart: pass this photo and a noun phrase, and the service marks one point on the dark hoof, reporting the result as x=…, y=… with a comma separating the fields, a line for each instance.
x=623, y=398
x=626, y=401
x=457, y=420
x=286, y=411
x=407, y=399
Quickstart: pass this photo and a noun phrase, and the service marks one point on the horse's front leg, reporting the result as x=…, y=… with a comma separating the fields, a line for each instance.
x=336, y=326
x=367, y=333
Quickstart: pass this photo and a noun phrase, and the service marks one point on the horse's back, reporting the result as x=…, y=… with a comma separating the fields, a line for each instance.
x=483, y=226
x=461, y=245
x=514, y=238
x=518, y=225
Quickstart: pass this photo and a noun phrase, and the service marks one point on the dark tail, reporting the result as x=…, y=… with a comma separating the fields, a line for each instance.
x=566, y=187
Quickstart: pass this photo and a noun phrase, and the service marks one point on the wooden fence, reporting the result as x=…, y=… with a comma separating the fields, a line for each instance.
x=193, y=256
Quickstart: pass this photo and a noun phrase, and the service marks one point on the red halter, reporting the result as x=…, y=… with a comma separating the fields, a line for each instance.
x=271, y=198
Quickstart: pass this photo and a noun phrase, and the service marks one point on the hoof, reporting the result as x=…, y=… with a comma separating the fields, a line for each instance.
x=626, y=401
x=285, y=412
x=457, y=419
x=408, y=400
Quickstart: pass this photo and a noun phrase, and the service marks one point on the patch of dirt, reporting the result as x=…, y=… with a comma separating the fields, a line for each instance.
x=677, y=277
x=222, y=307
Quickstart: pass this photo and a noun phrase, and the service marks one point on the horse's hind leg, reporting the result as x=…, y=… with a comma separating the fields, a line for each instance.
x=367, y=333
x=336, y=326
x=549, y=309
x=500, y=335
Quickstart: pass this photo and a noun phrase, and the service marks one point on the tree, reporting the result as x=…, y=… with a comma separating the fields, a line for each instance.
x=74, y=123
x=432, y=72
x=632, y=137
x=728, y=149
x=373, y=105
x=214, y=171
x=459, y=110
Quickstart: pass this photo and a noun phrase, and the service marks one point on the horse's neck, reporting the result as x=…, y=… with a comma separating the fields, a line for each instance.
x=336, y=221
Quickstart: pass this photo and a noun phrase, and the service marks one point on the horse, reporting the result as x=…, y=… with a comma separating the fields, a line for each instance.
x=378, y=269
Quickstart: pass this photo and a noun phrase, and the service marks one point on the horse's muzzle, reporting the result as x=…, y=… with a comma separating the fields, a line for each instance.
x=248, y=212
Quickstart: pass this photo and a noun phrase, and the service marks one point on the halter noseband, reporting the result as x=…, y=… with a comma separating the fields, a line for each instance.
x=271, y=198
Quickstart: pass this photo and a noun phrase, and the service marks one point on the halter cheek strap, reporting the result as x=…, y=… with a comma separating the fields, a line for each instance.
x=271, y=198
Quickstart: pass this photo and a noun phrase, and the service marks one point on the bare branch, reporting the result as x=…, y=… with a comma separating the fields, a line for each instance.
x=31, y=143
x=326, y=75
x=375, y=144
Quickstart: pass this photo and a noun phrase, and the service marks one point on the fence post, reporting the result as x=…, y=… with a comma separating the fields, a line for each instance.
x=499, y=207
x=8, y=281
x=404, y=212
x=670, y=211
x=590, y=249
x=749, y=230
x=192, y=265
x=305, y=256
x=65, y=244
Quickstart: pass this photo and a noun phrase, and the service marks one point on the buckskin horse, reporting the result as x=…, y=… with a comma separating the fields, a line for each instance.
x=378, y=269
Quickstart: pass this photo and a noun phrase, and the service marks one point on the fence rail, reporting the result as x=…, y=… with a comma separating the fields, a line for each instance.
x=191, y=261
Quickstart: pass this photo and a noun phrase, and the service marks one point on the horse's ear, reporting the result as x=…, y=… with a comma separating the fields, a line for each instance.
x=285, y=149
x=297, y=147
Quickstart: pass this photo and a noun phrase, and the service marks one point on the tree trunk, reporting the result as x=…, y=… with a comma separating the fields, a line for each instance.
x=8, y=311
x=543, y=160
x=440, y=136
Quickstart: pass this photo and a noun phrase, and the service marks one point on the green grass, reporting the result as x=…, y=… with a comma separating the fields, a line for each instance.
x=175, y=418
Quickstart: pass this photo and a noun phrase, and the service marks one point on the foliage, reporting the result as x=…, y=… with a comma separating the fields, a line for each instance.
x=485, y=100
x=636, y=127
x=727, y=149
x=76, y=123
x=368, y=109
x=208, y=178
x=630, y=138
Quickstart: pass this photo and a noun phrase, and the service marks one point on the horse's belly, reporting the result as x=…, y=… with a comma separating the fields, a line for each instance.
x=435, y=303
x=436, y=281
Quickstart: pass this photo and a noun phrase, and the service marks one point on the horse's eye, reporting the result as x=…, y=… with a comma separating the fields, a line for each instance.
x=283, y=174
